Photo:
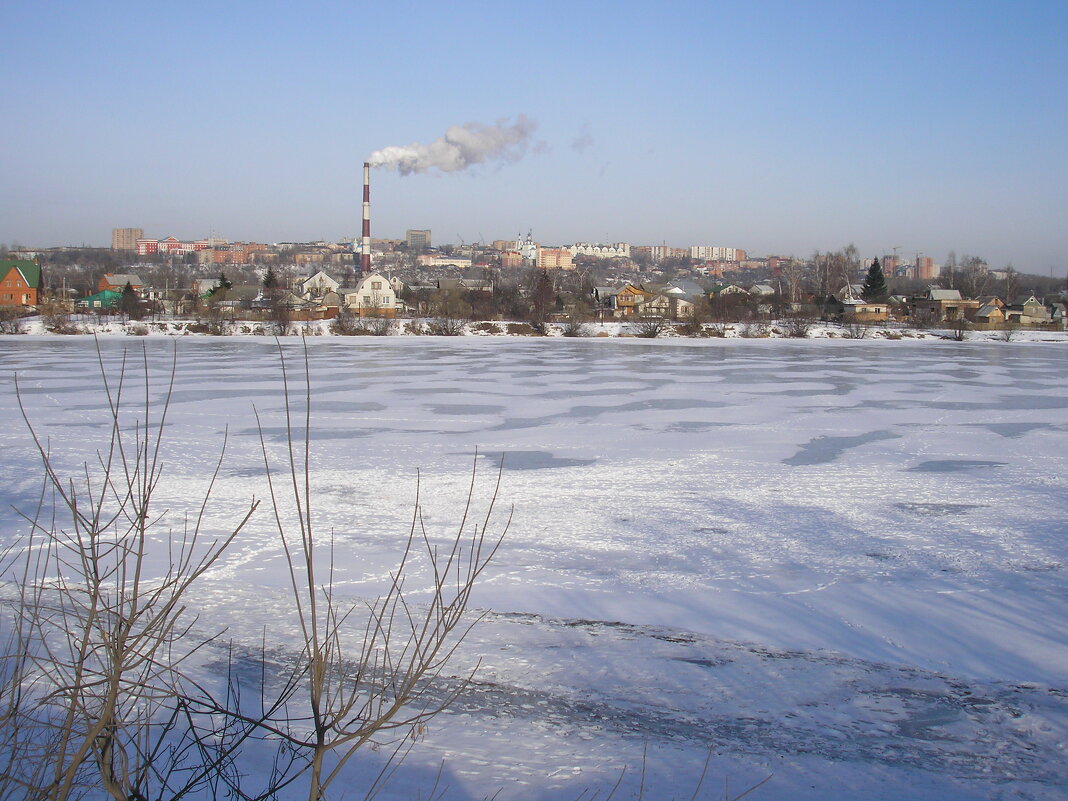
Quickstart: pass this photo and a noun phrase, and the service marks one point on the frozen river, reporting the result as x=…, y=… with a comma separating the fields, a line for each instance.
x=843, y=563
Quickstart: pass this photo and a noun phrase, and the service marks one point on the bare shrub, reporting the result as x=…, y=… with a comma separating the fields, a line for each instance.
x=958, y=329
x=520, y=329
x=380, y=326
x=798, y=326
x=851, y=329
x=359, y=691
x=1008, y=331
x=94, y=694
x=93, y=690
x=60, y=323
x=10, y=320
x=349, y=324
x=692, y=326
x=446, y=326
x=415, y=328
x=575, y=328
x=753, y=329
x=650, y=327
x=487, y=328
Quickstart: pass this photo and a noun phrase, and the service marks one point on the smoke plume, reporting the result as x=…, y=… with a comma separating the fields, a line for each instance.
x=460, y=147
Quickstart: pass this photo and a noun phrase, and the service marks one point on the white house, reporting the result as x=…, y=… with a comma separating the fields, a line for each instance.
x=317, y=285
x=373, y=295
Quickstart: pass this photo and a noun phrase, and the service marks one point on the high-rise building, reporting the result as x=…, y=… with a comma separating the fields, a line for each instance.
x=925, y=268
x=891, y=265
x=126, y=238
x=555, y=259
x=711, y=253
x=417, y=239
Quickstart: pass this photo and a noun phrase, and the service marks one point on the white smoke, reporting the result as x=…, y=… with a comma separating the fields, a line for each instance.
x=460, y=147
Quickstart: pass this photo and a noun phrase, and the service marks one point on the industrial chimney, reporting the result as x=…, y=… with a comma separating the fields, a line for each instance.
x=365, y=242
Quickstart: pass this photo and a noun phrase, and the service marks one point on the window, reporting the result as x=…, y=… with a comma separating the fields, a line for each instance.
x=376, y=285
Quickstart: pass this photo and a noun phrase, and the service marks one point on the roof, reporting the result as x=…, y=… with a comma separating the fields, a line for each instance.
x=122, y=279
x=691, y=289
x=730, y=289
x=30, y=271
x=943, y=294
x=104, y=295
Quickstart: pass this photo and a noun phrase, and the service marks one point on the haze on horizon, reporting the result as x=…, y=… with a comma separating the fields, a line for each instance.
x=772, y=126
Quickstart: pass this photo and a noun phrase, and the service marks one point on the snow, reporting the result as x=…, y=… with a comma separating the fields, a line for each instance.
x=839, y=562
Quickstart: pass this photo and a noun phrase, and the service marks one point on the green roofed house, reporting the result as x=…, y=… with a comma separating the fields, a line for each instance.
x=20, y=282
x=105, y=299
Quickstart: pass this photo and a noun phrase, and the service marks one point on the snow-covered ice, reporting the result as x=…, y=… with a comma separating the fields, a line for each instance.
x=839, y=562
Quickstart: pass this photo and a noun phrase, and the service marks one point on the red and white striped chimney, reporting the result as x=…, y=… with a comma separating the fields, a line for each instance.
x=365, y=243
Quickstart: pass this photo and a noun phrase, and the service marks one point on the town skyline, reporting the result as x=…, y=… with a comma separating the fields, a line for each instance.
x=770, y=127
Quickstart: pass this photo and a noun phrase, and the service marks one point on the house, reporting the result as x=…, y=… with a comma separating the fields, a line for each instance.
x=899, y=306
x=316, y=285
x=989, y=314
x=940, y=305
x=116, y=282
x=104, y=299
x=372, y=296
x=20, y=282
x=242, y=295
x=463, y=284
x=668, y=305
x=654, y=300
x=863, y=312
x=762, y=290
x=729, y=289
x=629, y=298
x=1027, y=310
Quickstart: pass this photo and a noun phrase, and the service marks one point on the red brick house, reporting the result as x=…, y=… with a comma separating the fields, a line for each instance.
x=20, y=282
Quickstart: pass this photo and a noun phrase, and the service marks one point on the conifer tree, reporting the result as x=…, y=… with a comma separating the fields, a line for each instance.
x=874, y=288
x=130, y=303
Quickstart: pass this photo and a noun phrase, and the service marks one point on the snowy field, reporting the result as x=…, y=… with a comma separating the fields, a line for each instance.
x=842, y=563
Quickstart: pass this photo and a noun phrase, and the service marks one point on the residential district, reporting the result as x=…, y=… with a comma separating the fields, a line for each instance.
x=442, y=290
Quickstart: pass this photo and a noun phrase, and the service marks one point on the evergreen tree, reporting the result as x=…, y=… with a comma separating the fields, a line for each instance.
x=874, y=288
x=130, y=303
x=222, y=283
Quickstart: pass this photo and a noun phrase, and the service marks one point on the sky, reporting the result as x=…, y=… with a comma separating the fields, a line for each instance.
x=777, y=127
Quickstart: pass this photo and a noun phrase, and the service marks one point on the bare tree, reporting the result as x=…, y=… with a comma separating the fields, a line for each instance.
x=793, y=272
x=1012, y=284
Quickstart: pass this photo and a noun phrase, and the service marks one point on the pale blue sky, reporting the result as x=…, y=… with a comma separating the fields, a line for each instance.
x=779, y=127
